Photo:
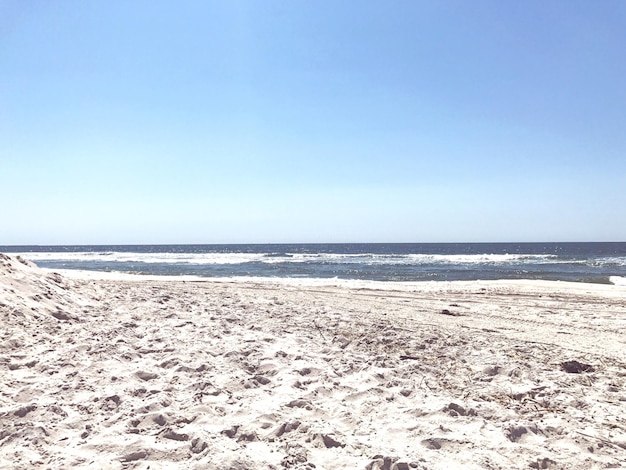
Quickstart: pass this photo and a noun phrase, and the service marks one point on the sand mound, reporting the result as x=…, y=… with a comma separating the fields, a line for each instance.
x=28, y=293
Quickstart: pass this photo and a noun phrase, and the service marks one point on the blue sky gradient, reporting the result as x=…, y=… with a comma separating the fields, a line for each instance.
x=272, y=121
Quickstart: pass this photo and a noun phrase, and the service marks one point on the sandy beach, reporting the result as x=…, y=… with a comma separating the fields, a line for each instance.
x=120, y=372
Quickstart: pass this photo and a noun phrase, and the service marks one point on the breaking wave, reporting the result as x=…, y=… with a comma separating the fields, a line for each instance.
x=274, y=258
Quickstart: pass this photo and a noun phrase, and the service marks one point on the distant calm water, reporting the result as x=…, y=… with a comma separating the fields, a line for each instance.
x=588, y=262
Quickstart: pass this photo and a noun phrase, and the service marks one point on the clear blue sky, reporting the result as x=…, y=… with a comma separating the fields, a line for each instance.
x=312, y=121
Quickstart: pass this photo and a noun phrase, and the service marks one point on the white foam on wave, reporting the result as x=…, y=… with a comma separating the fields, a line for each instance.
x=611, y=261
x=617, y=280
x=275, y=258
x=407, y=259
x=150, y=258
x=485, y=258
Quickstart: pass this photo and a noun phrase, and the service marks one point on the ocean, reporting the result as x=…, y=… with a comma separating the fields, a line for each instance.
x=584, y=262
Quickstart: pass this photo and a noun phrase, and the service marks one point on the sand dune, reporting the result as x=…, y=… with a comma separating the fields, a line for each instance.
x=121, y=373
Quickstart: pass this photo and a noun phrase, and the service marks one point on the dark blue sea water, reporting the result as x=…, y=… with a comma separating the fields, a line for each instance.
x=585, y=262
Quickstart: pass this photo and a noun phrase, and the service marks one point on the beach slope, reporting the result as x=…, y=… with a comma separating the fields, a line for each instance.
x=135, y=373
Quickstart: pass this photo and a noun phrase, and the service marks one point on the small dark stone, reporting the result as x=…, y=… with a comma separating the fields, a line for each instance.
x=575, y=367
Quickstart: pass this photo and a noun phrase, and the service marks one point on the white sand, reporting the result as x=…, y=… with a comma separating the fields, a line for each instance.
x=125, y=373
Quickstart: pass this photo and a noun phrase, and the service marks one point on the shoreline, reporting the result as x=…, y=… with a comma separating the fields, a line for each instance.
x=336, y=282
x=136, y=373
